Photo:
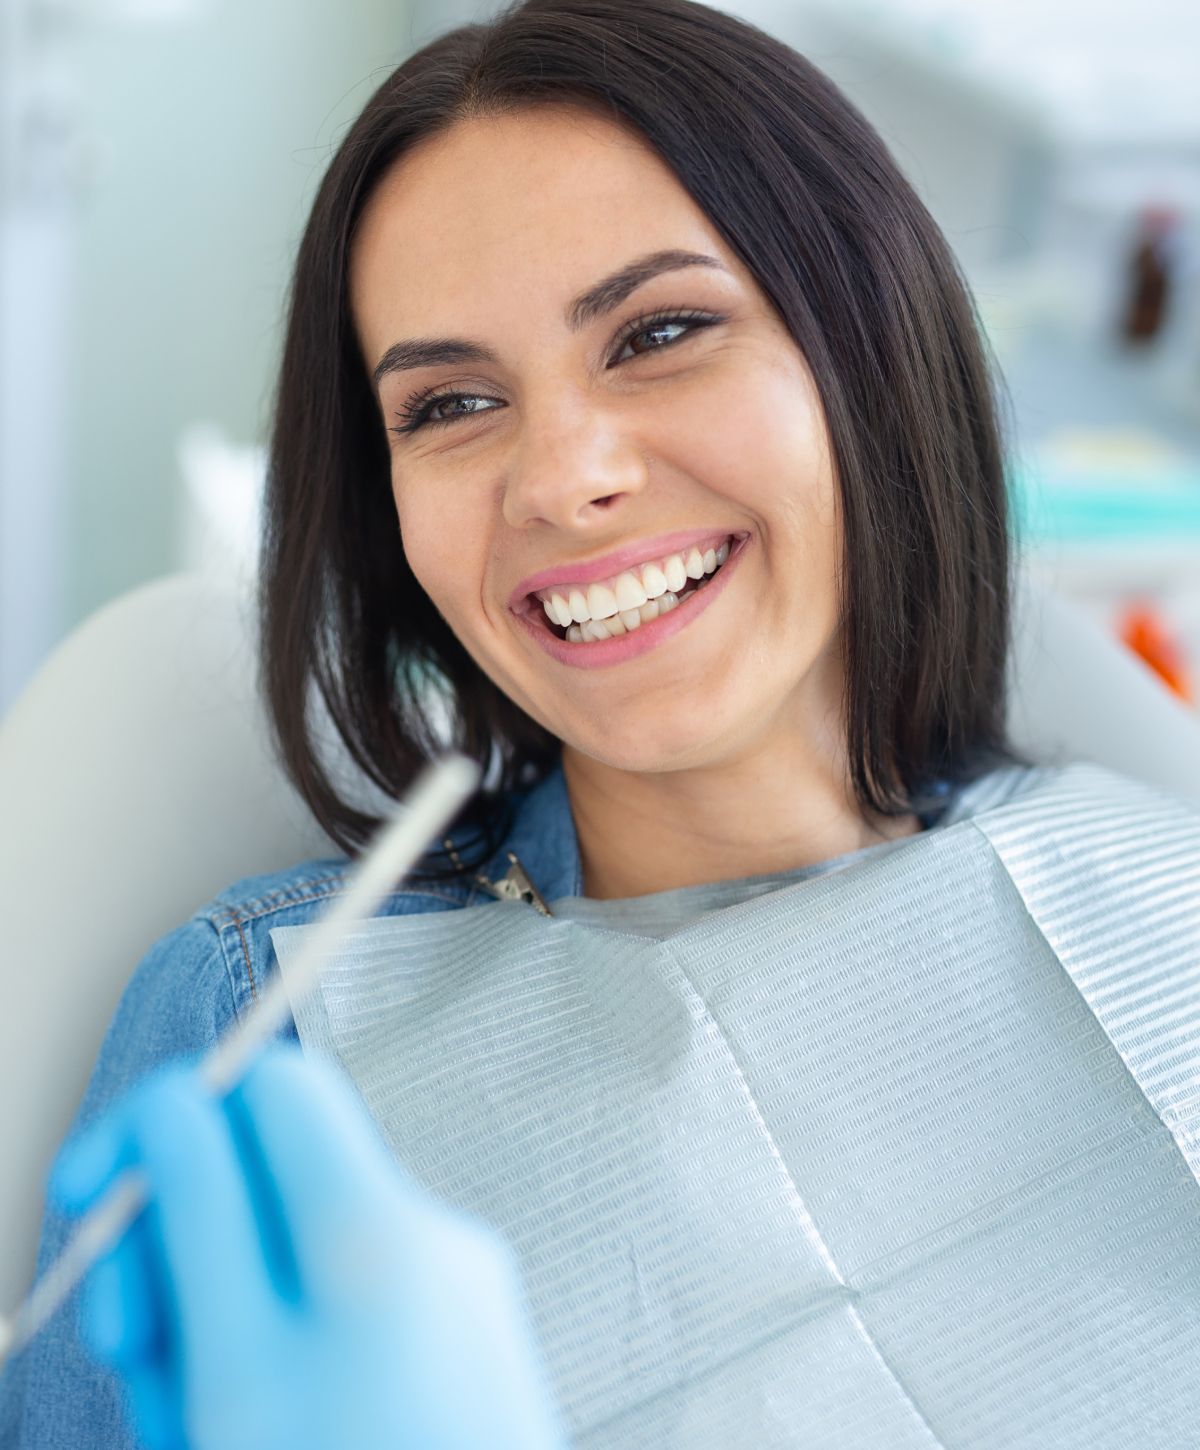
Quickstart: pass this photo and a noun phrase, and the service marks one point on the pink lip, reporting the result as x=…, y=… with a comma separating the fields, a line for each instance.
x=591, y=570
x=598, y=653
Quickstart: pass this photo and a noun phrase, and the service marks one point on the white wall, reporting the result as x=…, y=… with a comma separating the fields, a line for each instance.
x=976, y=154
x=214, y=128
x=36, y=233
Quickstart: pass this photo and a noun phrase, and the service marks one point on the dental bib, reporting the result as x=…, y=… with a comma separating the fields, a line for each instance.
x=900, y=1155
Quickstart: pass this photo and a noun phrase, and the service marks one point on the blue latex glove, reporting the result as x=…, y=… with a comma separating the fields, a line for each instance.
x=288, y=1285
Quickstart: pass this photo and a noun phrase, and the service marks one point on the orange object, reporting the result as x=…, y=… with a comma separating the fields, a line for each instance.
x=1149, y=636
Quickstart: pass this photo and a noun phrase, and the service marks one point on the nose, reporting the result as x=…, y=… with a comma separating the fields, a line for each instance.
x=572, y=470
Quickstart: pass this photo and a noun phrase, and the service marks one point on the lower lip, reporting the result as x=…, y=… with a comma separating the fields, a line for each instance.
x=597, y=653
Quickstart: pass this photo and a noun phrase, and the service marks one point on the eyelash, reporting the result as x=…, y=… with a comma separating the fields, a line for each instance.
x=416, y=410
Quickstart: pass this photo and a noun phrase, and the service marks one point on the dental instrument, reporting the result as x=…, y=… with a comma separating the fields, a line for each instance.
x=430, y=805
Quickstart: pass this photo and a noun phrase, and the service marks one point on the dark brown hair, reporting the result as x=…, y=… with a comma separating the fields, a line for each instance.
x=805, y=192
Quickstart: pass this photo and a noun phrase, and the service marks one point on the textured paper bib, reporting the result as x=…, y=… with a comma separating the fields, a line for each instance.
x=896, y=1156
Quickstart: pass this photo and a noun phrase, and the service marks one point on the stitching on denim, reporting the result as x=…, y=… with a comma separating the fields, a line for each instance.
x=283, y=894
x=264, y=910
x=232, y=915
x=246, y=958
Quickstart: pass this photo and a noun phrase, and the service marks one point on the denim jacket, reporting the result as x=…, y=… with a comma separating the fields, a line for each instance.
x=186, y=991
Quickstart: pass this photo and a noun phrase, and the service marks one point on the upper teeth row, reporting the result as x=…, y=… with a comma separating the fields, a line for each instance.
x=630, y=590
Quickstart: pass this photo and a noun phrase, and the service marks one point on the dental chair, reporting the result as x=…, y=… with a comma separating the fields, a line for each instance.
x=136, y=780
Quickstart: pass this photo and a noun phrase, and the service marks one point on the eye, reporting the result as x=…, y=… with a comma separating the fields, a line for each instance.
x=421, y=410
x=667, y=327
x=418, y=411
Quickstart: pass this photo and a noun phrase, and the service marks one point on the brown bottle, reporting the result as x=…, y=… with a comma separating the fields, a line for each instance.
x=1149, y=277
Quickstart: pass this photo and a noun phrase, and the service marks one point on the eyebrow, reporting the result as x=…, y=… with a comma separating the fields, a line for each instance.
x=604, y=296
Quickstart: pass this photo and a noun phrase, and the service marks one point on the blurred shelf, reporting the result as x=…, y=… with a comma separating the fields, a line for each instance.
x=1148, y=509
x=1113, y=527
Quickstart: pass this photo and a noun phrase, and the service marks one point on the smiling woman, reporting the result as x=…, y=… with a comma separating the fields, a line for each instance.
x=570, y=289
x=595, y=385
x=832, y=1073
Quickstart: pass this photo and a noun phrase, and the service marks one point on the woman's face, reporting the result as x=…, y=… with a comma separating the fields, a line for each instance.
x=558, y=422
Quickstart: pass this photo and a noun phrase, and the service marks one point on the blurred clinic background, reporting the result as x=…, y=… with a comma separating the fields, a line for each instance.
x=157, y=158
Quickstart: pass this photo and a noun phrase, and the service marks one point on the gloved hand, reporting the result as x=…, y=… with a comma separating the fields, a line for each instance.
x=288, y=1286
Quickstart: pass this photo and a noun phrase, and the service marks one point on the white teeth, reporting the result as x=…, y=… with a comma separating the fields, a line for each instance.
x=654, y=581
x=629, y=592
x=578, y=606
x=633, y=598
x=675, y=573
x=594, y=630
x=601, y=601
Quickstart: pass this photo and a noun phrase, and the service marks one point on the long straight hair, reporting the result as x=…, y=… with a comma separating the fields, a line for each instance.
x=805, y=192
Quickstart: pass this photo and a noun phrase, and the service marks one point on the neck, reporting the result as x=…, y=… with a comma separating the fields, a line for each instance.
x=643, y=832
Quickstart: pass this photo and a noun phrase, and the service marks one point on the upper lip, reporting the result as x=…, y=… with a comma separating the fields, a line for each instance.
x=588, y=571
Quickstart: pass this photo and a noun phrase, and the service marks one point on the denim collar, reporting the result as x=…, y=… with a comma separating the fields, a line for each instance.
x=544, y=841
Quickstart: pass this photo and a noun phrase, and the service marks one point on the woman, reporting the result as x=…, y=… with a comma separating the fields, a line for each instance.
x=632, y=403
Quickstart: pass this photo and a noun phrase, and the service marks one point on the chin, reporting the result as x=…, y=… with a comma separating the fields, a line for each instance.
x=652, y=748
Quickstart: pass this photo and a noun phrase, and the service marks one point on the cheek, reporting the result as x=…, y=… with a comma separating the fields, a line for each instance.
x=447, y=553
x=429, y=548
x=765, y=445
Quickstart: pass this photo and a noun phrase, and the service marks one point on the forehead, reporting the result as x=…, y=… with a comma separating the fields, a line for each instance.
x=522, y=207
